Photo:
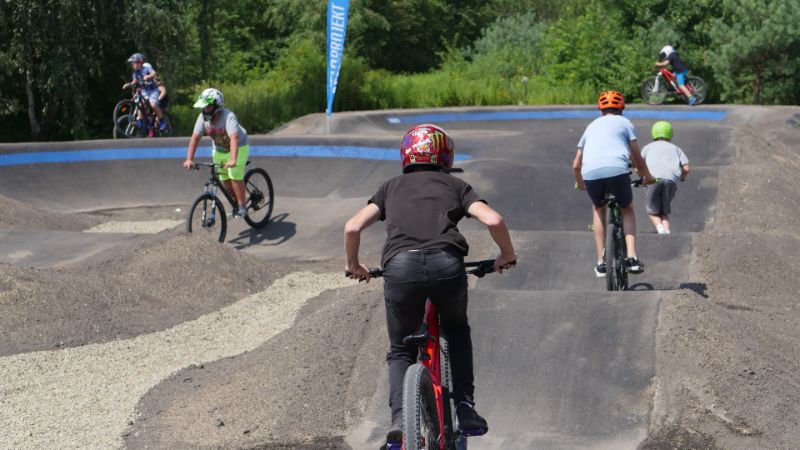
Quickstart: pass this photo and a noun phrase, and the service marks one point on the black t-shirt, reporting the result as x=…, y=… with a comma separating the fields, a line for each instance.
x=421, y=210
x=677, y=63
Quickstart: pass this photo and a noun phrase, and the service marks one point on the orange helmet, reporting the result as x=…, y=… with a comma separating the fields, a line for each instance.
x=611, y=99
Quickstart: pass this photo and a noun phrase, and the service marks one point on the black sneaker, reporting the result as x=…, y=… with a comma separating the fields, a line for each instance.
x=394, y=437
x=600, y=270
x=634, y=265
x=469, y=421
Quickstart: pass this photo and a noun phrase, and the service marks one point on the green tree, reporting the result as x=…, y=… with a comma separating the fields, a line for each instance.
x=756, y=54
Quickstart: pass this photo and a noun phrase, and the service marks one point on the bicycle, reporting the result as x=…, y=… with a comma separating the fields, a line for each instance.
x=126, y=117
x=616, y=269
x=207, y=213
x=429, y=413
x=655, y=90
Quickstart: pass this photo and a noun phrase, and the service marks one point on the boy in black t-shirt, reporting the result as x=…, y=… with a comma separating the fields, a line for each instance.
x=424, y=258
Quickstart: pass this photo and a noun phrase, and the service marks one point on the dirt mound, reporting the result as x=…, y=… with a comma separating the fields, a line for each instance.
x=728, y=352
x=150, y=283
x=19, y=216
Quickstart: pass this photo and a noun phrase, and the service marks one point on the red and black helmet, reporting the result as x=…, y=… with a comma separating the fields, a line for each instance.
x=427, y=144
x=611, y=99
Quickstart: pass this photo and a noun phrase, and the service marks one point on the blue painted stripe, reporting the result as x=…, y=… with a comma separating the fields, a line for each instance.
x=480, y=116
x=116, y=154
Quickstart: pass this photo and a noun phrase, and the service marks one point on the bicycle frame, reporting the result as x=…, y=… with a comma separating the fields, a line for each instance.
x=671, y=79
x=213, y=184
x=430, y=357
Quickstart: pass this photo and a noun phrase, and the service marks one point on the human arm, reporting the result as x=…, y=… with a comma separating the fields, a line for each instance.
x=684, y=171
x=638, y=162
x=663, y=63
x=234, y=141
x=499, y=232
x=577, y=164
x=352, y=239
x=193, y=142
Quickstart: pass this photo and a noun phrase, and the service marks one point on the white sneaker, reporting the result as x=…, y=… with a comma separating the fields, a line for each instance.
x=241, y=212
x=660, y=229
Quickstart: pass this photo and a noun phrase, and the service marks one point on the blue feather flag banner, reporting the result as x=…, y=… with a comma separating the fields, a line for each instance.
x=337, y=28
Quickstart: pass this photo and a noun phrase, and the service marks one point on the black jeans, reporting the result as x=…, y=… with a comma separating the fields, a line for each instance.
x=409, y=279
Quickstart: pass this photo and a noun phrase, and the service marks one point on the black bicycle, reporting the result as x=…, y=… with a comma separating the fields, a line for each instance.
x=134, y=117
x=615, y=250
x=207, y=214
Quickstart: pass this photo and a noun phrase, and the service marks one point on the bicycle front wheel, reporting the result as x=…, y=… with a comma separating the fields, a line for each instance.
x=123, y=108
x=260, y=197
x=650, y=94
x=207, y=217
x=420, y=416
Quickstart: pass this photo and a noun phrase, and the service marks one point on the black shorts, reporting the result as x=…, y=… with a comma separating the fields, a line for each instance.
x=619, y=185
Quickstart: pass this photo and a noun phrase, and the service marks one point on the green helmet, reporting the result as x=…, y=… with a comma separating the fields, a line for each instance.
x=662, y=130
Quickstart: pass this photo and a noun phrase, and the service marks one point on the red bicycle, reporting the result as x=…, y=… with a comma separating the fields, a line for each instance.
x=655, y=90
x=429, y=414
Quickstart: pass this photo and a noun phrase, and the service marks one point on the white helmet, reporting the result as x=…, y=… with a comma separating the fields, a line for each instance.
x=208, y=97
x=666, y=51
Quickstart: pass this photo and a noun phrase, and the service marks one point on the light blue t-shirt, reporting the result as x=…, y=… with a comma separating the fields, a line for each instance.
x=605, y=147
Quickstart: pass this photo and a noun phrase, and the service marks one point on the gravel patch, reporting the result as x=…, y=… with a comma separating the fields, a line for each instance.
x=99, y=385
x=147, y=227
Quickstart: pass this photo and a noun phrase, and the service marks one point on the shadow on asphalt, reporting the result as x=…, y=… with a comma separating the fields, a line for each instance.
x=277, y=231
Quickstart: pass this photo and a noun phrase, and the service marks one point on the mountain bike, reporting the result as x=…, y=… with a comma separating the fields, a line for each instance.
x=655, y=90
x=207, y=214
x=126, y=117
x=429, y=413
x=616, y=250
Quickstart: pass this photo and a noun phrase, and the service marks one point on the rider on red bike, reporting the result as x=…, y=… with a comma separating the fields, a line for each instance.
x=669, y=56
x=423, y=257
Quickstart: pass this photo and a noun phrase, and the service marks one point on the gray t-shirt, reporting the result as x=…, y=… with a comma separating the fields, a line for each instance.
x=220, y=129
x=664, y=160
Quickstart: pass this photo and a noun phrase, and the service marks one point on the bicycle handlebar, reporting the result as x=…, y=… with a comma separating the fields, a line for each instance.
x=481, y=268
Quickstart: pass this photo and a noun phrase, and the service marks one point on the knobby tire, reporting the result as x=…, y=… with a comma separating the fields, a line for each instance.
x=260, y=197
x=200, y=220
x=609, y=253
x=420, y=419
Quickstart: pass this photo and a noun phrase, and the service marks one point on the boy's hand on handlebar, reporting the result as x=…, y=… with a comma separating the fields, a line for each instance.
x=359, y=272
x=188, y=164
x=503, y=263
x=580, y=186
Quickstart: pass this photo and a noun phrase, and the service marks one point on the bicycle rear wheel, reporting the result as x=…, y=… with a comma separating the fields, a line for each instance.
x=610, y=252
x=620, y=252
x=420, y=418
x=650, y=94
x=260, y=197
x=698, y=88
x=207, y=217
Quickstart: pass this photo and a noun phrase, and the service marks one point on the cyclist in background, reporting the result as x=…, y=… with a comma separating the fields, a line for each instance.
x=146, y=77
x=669, y=55
x=423, y=257
x=605, y=153
x=667, y=162
x=229, y=140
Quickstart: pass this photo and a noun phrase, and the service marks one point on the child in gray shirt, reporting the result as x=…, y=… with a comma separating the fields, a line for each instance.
x=667, y=162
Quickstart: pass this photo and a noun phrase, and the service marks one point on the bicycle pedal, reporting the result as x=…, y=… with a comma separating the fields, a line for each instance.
x=474, y=432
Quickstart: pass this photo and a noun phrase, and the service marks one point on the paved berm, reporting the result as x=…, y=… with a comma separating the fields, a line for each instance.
x=120, y=330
